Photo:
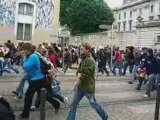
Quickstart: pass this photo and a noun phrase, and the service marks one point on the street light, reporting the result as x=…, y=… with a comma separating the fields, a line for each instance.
x=109, y=27
x=63, y=34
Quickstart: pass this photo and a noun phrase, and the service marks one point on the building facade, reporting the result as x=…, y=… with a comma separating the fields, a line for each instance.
x=138, y=23
x=34, y=21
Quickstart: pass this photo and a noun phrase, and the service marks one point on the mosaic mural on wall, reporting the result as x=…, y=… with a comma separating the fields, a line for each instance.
x=44, y=14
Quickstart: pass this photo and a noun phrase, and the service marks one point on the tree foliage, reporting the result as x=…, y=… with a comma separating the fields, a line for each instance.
x=85, y=16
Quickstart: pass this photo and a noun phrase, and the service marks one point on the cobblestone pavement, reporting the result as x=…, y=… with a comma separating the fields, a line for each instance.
x=119, y=99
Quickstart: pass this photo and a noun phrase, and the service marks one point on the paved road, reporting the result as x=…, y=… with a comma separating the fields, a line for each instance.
x=119, y=99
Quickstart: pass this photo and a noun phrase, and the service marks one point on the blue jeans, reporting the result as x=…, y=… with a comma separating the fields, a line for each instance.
x=158, y=78
x=135, y=71
x=1, y=67
x=78, y=95
x=20, y=87
x=119, y=66
x=151, y=83
x=7, y=62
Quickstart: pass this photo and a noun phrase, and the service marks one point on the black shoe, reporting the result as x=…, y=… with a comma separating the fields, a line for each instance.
x=124, y=74
x=56, y=110
x=15, y=93
x=21, y=117
x=138, y=89
x=107, y=74
x=130, y=82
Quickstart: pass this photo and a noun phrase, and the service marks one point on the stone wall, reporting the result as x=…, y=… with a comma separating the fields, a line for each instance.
x=147, y=37
x=103, y=39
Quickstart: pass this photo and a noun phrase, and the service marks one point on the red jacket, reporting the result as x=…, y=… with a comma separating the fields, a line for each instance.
x=118, y=56
x=52, y=59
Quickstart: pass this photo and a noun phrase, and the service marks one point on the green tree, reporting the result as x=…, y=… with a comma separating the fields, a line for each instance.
x=85, y=16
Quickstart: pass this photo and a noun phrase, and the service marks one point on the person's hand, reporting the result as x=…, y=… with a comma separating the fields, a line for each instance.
x=79, y=75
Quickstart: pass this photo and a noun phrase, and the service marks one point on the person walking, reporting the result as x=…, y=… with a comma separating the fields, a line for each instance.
x=130, y=60
x=86, y=84
x=152, y=68
x=32, y=65
x=118, y=62
x=67, y=60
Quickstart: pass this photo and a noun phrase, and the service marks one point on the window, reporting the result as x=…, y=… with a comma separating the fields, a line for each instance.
x=119, y=26
x=27, y=32
x=29, y=9
x=130, y=14
x=24, y=31
x=124, y=26
x=158, y=38
x=130, y=25
x=125, y=15
x=20, y=31
x=21, y=8
x=152, y=8
x=119, y=16
x=25, y=9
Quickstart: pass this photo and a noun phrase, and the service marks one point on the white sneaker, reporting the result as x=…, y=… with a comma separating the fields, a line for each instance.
x=66, y=100
x=146, y=96
x=33, y=107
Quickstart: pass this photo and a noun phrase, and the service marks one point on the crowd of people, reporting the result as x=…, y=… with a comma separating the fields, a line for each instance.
x=40, y=65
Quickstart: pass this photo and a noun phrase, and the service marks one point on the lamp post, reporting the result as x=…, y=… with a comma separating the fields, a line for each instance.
x=111, y=28
x=64, y=33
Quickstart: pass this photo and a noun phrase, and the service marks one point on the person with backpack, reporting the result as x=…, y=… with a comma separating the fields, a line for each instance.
x=151, y=65
x=33, y=66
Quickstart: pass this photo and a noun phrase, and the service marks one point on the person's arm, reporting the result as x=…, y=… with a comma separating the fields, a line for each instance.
x=87, y=69
x=30, y=62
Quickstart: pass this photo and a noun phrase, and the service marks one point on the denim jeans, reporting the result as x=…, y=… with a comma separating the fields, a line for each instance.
x=151, y=83
x=1, y=67
x=119, y=66
x=78, y=95
x=125, y=68
x=7, y=62
x=158, y=78
x=20, y=87
x=135, y=71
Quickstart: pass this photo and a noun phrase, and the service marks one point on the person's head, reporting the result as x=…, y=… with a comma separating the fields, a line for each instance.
x=86, y=48
x=66, y=50
x=117, y=48
x=51, y=51
x=28, y=48
x=8, y=41
x=150, y=52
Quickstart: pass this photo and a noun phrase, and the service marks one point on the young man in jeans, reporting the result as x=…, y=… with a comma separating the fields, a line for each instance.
x=86, y=84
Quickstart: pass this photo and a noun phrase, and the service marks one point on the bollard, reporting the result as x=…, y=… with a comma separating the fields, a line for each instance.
x=42, y=104
x=156, y=117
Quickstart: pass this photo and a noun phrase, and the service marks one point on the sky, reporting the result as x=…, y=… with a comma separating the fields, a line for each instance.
x=114, y=3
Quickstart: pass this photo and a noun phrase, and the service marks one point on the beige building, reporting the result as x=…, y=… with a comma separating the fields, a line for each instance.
x=34, y=21
x=138, y=23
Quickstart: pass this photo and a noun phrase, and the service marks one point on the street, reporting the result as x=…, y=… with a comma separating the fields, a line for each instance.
x=119, y=99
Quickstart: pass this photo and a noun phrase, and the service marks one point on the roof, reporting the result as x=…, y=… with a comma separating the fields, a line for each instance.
x=134, y=3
